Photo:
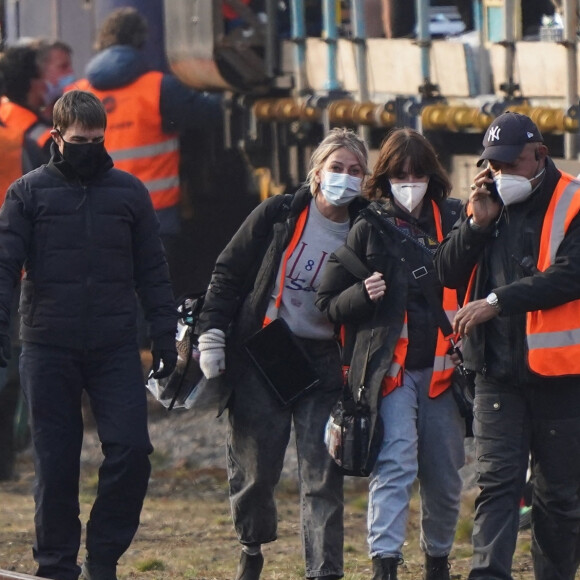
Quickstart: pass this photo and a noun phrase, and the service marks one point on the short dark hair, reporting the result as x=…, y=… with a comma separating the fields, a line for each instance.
x=46, y=46
x=124, y=26
x=18, y=66
x=81, y=107
x=404, y=144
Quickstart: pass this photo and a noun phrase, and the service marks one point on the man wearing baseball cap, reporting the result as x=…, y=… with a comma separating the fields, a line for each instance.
x=521, y=334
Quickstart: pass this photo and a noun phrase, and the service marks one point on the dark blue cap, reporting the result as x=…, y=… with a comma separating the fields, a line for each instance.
x=507, y=136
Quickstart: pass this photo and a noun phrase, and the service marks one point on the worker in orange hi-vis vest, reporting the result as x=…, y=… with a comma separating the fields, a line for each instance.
x=519, y=240
x=146, y=111
x=24, y=145
x=23, y=98
x=10, y=170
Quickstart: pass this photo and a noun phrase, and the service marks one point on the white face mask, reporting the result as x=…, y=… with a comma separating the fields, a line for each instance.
x=514, y=188
x=409, y=195
x=340, y=188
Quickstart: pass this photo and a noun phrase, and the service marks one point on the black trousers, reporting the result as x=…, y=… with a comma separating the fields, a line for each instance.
x=53, y=380
x=513, y=423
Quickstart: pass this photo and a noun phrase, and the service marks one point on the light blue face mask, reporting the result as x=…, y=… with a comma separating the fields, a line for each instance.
x=55, y=91
x=340, y=188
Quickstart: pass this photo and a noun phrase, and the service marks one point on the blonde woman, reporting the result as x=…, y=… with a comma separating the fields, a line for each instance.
x=271, y=269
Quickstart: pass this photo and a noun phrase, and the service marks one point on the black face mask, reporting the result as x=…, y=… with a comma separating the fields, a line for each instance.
x=86, y=159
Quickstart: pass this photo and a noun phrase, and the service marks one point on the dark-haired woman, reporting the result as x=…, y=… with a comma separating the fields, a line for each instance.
x=409, y=369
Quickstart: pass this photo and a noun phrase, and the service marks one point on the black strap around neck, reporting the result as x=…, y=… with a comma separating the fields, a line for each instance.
x=424, y=277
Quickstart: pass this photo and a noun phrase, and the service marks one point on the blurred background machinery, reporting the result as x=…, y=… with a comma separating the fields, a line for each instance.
x=290, y=69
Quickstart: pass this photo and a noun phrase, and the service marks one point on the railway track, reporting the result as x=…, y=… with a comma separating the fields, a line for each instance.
x=6, y=575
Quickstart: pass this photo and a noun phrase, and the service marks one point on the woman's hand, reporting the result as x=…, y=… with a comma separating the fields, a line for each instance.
x=375, y=286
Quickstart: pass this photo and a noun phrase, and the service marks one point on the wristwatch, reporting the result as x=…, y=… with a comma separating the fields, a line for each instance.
x=493, y=300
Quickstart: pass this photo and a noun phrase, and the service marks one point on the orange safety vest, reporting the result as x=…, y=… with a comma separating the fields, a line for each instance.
x=22, y=119
x=300, y=225
x=11, y=158
x=135, y=139
x=553, y=335
x=442, y=365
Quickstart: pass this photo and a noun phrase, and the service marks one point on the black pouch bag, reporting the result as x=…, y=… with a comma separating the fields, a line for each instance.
x=351, y=442
x=463, y=388
x=282, y=361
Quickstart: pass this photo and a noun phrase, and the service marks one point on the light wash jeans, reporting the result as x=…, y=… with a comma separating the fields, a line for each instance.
x=423, y=438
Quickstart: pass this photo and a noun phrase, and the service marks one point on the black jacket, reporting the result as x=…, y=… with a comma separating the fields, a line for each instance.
x=244, y=275
x=245, y=272
x=86, y=249
x=498, y=348
x=345, y=300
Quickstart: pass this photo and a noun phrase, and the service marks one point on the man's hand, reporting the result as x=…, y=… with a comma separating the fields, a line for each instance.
x=5, y=350
x=484, y=209
x=472, y=314
x=164, y=355
x=212, y=353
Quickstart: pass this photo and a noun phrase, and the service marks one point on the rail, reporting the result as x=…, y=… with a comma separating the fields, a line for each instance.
x=7, y=575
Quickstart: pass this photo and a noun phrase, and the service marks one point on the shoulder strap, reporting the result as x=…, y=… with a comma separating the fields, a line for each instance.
x=347, y=257
x=423, y=276
x=381, y=221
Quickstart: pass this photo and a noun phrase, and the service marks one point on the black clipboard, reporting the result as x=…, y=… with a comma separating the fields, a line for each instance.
x=282, y=361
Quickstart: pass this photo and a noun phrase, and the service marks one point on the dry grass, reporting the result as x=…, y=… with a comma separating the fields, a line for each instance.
x=186, y=531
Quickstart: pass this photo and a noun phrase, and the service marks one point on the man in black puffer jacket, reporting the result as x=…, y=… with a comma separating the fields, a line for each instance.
x=87, y=238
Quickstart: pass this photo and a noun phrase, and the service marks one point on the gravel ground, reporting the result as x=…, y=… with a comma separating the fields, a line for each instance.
x=184, y=437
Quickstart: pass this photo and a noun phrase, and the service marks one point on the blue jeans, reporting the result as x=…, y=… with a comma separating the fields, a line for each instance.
x=423, y=439
x=512, y=421
x=259, y=433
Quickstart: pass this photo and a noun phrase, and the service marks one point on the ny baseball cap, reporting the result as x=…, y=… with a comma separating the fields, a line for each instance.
x=506, y=137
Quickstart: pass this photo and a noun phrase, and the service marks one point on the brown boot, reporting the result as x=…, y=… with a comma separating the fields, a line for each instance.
x=385, y=568
x=436, y=568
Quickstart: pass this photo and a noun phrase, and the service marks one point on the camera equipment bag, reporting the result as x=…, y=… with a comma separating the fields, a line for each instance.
x=176, y=390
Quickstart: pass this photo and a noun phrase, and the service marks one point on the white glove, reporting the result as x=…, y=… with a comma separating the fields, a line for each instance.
x=212, y=353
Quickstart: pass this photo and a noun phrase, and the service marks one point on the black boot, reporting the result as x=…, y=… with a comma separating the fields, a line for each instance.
x=436, y=568
x=250, y=567
x=97, y=571
x=385, y=568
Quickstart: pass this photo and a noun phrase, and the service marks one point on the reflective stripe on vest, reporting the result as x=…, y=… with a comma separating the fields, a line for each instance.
x=135, y=139
x=553, y=335
x=442, y=364
x=394, y=376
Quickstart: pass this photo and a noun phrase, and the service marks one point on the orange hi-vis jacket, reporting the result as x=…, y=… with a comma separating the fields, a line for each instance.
x=134, y=137
x=10, y=158
x=22, y=119
x=442, y=365
x=553, y=335
x=299, y=229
